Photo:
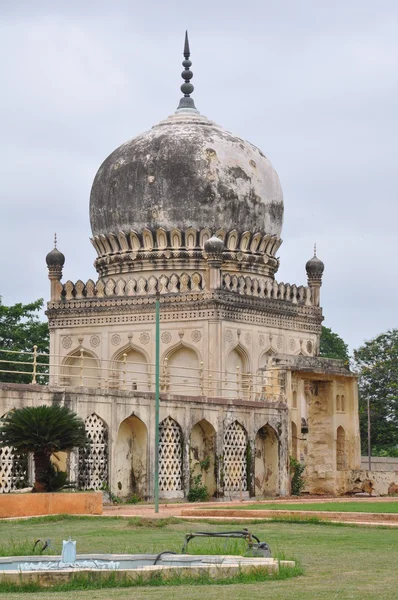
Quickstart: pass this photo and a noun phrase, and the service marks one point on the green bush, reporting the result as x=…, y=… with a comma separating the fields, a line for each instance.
x=198, y=491
x=298, y=482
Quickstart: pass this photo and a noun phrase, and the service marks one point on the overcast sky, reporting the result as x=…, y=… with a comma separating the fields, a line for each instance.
x=313, y=83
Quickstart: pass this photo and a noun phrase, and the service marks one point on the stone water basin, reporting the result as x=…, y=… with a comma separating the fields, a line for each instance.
x=49, y=570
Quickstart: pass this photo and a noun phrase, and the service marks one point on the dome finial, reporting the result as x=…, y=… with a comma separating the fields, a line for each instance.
x=187, y=87
x=55, y=240
x=315, y=249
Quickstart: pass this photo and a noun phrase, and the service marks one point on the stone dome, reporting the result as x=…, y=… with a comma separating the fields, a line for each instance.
x=314, y=267
x=55, y=258
x=186, y=172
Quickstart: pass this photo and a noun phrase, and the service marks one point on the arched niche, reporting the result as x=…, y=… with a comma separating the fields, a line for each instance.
x=341, y=449
x=266, y=464
x=131, y=458
x=131, y=370
x=202, y=447
x=236, y=378
x=294, y=438
x=93, y=459
x=235, y=458
x=81, y=368
x=183, y=371
x=170, y=458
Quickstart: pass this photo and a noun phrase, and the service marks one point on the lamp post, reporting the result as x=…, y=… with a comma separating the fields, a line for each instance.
x=157, y=397
x=369, y=440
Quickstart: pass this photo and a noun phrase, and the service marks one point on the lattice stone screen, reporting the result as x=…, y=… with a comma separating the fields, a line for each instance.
x=235, y=446
x=170, y=456
x=93, y=460
x=13, y=470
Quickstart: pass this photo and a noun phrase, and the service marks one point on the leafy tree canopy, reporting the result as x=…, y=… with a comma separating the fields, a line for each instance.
x=333, y=346
x=377, y=363
x=20, y=330
x=42, y=430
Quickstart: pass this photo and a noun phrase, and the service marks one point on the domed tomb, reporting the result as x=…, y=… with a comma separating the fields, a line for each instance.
x=185, y=173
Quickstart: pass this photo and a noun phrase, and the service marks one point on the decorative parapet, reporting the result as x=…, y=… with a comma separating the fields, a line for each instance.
x=263, y=288
x=141, y=286
x=118, y=252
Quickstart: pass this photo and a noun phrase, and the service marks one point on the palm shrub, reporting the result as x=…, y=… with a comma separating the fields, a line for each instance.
x=42, y=431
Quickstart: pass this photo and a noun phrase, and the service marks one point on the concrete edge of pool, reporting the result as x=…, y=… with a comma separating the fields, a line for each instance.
x=193, y=565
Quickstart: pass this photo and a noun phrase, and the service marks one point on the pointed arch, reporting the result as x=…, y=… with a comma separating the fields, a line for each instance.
x=81, y=367
x=131, y=460
x=182, y=370
x=235, y=458
x=13, y=469
x=93, y=459
x=237, y=380
x=170, y=457
x=295, y=440
x=130, y=369
x=341, y=449
x=266, y=464
x=202, y=448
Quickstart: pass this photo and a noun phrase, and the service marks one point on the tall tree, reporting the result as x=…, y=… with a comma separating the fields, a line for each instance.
x=42, y=431
x=20, y=330
x=333, y=346
x=377, y=363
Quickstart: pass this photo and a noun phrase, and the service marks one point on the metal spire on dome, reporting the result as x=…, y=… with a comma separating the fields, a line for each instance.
x=187, y=87
x=315, y=249
x=55, y=240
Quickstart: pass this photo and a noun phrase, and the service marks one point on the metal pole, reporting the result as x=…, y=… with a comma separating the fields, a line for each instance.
x=369, y=442
x=157, y=399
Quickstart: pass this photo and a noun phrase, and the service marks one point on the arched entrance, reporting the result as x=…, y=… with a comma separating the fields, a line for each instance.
x=131, y=368
x=236, y=379
x=266, y=464
x=235, y=458
x=81, y=369
x=202, y=454
x=131, y=458
x=183, y=372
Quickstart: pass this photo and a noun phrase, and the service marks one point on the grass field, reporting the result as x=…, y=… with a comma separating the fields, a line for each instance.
x=366, y=507
x=340, y=562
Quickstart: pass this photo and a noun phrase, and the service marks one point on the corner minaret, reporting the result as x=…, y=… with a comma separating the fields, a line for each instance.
x=187, y=87
x=315, y=268
x=55, y=261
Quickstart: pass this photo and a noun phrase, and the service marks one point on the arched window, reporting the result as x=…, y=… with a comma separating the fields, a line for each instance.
x=294, y=399
x=183, y=372
x=236, y=382
x=341, y=451
x=93, y=459
x=294, y=440
x=131, y=371
x=338, y=403
x=170, y=456
x=81, y=369
x=343, y=403
x=235, y=463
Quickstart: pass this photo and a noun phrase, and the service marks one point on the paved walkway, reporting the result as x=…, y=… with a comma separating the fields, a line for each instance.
x=196, y=510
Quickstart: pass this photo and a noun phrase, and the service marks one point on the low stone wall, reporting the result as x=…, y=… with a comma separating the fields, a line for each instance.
x=378, y=483
x=32, y=505
x=380, y=463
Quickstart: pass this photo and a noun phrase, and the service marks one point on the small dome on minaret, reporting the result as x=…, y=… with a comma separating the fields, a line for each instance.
x=214, y=245
x=55, y=258
x=314, y=267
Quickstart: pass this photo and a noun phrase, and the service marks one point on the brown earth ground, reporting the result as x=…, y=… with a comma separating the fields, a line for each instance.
x=225, y=510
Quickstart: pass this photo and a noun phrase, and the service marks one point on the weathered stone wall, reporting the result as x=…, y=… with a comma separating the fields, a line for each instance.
x=130, y=419
x=380, y=463
x=379, y=483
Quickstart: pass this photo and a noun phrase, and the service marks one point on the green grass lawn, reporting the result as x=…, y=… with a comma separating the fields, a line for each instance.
x=340, y=562
x=366, y=507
